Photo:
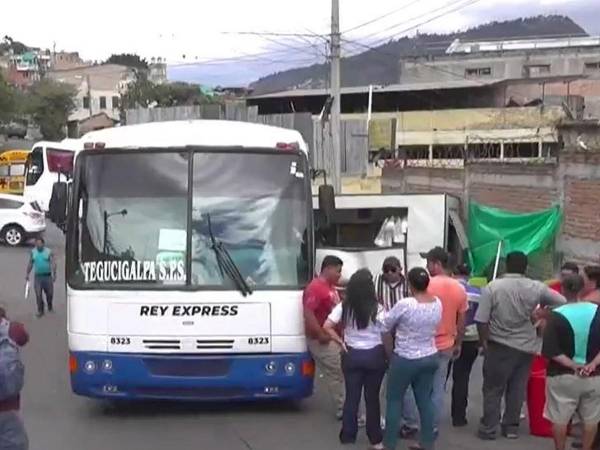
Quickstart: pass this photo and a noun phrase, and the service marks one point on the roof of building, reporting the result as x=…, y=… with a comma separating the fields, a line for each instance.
x=438, y=85
x=102, y=77
x=462, y=83
x=459, y=46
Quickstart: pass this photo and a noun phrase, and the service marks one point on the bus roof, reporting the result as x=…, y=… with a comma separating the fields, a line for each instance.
x=66, y=144
x=14, y=155
x=212, y=133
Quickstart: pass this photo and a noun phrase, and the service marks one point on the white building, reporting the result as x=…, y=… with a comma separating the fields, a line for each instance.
x=99, y=89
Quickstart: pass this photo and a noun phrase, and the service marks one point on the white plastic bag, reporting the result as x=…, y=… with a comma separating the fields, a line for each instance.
x=385, y=237
x=26, y=289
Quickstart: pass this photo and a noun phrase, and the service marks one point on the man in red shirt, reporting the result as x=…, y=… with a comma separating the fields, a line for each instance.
x=320, y=296
x=12, y=432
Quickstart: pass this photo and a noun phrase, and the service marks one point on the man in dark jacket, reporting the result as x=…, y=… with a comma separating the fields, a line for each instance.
x=12, y=431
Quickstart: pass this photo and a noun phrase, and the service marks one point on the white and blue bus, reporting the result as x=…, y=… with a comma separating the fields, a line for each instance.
x=188, y=246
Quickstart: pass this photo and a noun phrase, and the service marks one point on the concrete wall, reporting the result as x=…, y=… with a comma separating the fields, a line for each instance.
x=511, y=65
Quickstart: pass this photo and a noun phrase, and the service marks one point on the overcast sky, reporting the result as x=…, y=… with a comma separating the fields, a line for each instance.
x=188, y=31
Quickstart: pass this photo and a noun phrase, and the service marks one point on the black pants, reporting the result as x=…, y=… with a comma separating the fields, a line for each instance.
x=505, y=374
x=363, y=371
x=45, y=284
x=461, y=372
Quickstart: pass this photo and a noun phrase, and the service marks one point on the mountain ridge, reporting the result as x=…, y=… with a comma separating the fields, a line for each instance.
x=380, y=65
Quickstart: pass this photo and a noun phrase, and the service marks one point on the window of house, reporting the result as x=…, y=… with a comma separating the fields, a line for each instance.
x=115, y=102
x=537, y=69
x=478, y=72
x=592, y=66
x=102, y=102
x=86, y=102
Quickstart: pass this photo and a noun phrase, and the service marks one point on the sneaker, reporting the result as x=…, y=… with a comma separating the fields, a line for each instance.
x=379, y=446
x=577, y=444
x=362, y=422
x=509, y=434
x=416, y=446
x=407, y=432
x=486, y=436
x=39, y=315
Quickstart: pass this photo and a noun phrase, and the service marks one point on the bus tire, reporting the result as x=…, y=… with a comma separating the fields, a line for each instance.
x=13, y=235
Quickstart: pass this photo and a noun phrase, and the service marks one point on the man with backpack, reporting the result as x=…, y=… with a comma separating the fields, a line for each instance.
x=12, y=375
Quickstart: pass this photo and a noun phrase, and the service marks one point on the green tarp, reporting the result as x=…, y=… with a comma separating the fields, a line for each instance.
x=528, y=233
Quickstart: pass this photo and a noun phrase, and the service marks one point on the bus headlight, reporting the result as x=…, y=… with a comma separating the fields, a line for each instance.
x=290, y=368
x=89, y=367
x=271, y=367
x=107, y=365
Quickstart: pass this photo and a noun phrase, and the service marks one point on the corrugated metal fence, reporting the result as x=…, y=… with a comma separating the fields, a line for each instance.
x=354, y=137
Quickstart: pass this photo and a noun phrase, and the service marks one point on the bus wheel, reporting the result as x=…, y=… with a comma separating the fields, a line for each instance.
x=13, y=235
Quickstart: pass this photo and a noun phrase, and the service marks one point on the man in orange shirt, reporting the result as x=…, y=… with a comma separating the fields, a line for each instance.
x=451, y=329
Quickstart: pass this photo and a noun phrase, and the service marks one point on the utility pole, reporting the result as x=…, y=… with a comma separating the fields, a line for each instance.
x=335, y=156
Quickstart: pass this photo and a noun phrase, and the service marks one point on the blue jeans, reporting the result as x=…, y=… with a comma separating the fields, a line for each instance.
x=12, y=432
x=418, y=374
x=363, y=373
x=410, y=416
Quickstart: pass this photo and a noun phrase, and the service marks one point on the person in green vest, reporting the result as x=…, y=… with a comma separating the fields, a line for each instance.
x=44, y=274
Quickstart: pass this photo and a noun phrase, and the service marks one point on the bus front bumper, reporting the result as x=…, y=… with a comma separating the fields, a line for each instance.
x=191, y=377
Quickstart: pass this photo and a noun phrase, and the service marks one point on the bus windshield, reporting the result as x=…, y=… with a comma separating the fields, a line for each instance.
x=143, y=221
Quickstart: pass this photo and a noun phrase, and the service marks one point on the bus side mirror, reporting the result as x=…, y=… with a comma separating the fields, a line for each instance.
x=327, y=203
x=57, y=208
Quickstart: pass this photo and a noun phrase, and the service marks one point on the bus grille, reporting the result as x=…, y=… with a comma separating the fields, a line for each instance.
x=162, y=344
x=212, y=344
x=212, y=393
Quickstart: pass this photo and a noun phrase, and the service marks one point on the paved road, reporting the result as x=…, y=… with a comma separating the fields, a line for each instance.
x=57, y=420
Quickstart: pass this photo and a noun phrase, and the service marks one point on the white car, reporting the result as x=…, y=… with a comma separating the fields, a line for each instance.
x=19, y=219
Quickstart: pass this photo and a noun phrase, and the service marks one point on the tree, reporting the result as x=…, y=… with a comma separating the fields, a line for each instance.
x=9, y=43
x=50, y=104
x=7, y=100
x=128, y=59
x=143, y=93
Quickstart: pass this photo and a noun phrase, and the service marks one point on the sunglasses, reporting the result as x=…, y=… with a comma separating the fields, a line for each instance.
x=390, y=269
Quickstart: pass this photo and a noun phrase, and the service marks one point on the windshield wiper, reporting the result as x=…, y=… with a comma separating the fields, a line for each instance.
x=226, y=263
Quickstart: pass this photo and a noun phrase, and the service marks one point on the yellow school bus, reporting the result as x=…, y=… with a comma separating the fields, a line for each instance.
x=12, y=171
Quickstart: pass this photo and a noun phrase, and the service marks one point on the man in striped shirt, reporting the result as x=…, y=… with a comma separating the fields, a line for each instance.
x=390, y=284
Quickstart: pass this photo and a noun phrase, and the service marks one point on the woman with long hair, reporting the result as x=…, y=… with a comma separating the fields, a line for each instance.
x=363, y=358
x=415, y=359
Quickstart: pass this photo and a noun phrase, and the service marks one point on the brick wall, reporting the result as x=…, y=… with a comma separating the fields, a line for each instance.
x=573, y=182
x=582, y=208
x=513, y=198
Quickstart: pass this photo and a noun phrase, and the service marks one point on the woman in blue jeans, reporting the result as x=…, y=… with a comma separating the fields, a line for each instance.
x=415, y=359
x=363, y=355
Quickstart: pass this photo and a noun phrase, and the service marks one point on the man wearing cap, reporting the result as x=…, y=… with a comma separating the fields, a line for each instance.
x=390, y=287
x=451, y=329
x=390, y=284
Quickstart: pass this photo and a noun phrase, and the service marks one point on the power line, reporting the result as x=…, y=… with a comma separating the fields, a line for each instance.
x=292, y=47
x=457, y=6
x=383, y=16
x=267, y=33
